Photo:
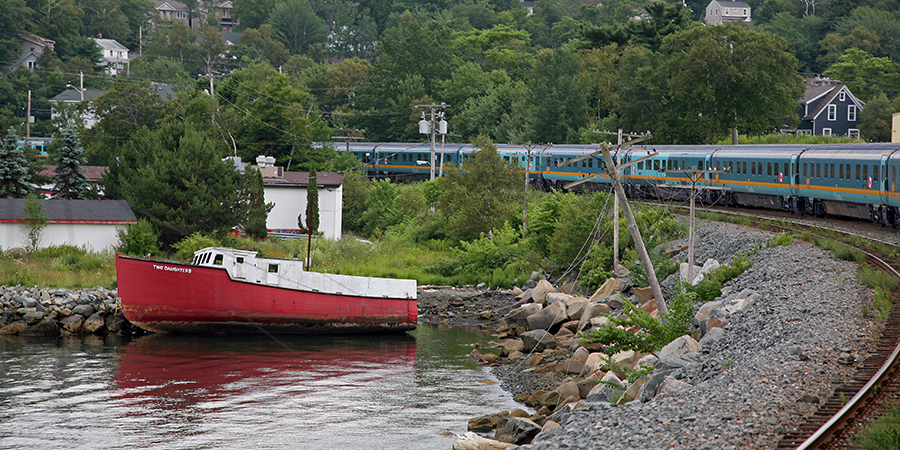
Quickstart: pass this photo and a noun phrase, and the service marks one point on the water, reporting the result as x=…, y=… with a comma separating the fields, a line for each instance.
x=410, y=391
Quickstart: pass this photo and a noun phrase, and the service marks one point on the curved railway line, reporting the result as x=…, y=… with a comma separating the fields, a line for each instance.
x=876, y=383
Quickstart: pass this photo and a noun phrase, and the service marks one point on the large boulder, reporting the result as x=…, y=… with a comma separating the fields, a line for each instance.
x=539, y=293
x=72, y=324
x=680, y=346
x=511, y=345
x=84, y=310
x=44, y=328
x=33, y=317
x=537, y=340
x=609, y=287
x=96, y=323
x=518, y=430
x=575, y=307
x=472, y=441
x=520, y=314
x=591, y=311
x=607, y=390
x=548, y=318
x=632, y=392
x=553, y=297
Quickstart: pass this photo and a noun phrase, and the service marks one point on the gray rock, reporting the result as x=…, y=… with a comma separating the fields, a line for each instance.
x=95, y=323
x=45, y=328
x=518, y=430
x=85, y=310
x=520, y=314
x=537, y=340
x=548, y=318
x=73, y=323
x=33, y=317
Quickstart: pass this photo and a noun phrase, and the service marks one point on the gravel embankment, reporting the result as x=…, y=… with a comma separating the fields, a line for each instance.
x=776, y=362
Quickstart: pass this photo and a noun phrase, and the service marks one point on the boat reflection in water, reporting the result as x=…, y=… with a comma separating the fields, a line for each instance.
x=255, y=391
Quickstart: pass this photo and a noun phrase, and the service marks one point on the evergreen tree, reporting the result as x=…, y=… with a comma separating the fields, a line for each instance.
x=70, y=181
x=259, y=209
x=312, y=201
x=14, y=176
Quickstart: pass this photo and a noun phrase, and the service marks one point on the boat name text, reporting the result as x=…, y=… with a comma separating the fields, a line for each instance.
x=172, y=269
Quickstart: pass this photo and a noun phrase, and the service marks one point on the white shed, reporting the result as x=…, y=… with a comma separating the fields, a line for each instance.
x=288, y=191
x=92, y=224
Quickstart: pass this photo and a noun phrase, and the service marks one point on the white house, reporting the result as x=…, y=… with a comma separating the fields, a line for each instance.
x=62, y=106
x=288, y=190
x=115, y=56
x=92, y=224
x=720, y=12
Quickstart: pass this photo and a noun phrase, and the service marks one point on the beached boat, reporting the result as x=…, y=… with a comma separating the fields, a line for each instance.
x=227, y=290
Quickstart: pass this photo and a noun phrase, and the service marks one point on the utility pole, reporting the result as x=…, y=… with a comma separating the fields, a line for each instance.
x=28, y=120
x=427, y=127
x=619, y=135
x=613, y=173
x=349, y=134
x=695, y=175
x=527, y=173
x=633, y=227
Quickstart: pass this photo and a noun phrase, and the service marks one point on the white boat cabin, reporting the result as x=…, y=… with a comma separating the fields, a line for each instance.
x=244, y=265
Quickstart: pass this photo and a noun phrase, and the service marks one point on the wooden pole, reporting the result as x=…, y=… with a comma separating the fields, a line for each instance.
x=635, y=231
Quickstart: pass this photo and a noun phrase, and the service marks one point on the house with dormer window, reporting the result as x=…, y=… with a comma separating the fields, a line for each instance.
x=828, y=108
x=720, y=12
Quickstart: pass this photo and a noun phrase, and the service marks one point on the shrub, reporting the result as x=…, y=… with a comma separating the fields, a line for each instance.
x=883, y=433
x=138, y=239
x=184, y=249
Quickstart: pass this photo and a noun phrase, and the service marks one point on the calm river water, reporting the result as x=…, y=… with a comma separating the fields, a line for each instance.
x=411, y=391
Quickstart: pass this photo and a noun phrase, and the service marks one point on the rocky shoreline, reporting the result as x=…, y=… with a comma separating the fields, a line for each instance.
x=763, y=356
x=38, y=311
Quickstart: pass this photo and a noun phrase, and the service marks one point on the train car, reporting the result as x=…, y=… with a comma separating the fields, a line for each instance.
x=851, y=180
x=760, y=175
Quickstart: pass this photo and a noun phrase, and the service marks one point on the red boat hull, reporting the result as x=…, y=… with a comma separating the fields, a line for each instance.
x=181, y=298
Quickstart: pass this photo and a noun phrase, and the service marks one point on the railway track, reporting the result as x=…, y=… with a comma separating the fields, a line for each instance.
x=876, y=383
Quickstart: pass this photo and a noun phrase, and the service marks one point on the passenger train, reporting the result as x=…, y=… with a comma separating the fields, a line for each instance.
x=851, y=180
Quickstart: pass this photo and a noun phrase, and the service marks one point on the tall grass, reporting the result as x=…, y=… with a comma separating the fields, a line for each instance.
x=840, y=251
x=63, y=266
x=882, y=434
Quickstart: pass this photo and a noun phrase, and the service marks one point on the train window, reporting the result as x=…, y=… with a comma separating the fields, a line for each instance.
x=857, y=173
x=753, y=168
x=683, y=165
x=769, y=167
x=832, y=171
x=840, y=171
x=825, y=169
x=656, y=165
x=590, y=163
x=874, y=173
x=804, y=170
x=865, y=172
x=744, y=168
x=818, y=170
x=894, y=173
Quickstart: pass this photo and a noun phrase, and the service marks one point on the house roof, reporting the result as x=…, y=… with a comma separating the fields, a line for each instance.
x=827, y=96
x=72, y=95
x=731, y=4
x=79, y=211
x=92, y=173
x=111, y=44
x=301, y=179
x=170, y=5
x=43, y=42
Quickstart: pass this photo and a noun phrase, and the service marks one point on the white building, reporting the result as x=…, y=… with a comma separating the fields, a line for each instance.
x=720, y=12
x=115, y=56
x=91, y=224
x=70, y=104
x=288, y=191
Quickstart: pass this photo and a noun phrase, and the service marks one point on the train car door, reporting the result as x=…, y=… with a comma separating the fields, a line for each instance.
x=795, y=174
x=884, y=184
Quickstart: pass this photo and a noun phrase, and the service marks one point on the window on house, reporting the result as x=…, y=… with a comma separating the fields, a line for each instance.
x=853, y=132
x=826, y=131
x=842, y=96
x=832, y=112
x=745, y=12
x=851, y=113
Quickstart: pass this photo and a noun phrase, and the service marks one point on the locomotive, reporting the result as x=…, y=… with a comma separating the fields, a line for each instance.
x=850, y=180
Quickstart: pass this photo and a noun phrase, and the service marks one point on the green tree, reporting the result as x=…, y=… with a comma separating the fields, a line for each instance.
x=106, y=18
x=210, y=48
x=14, y=15
x=483, y=195
x=252, y=13
x=356, y=192
x=122, y=111
x=34, y=223
x=297, y=25
x=263, y=41
x=174, y=177
x=15, y=181
x=70, y=181
x=866, y=76
x=172, y=39
x=312, y=202
x=724, y=77
x=255, y=225
x=875, y=119
x=559, y=95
